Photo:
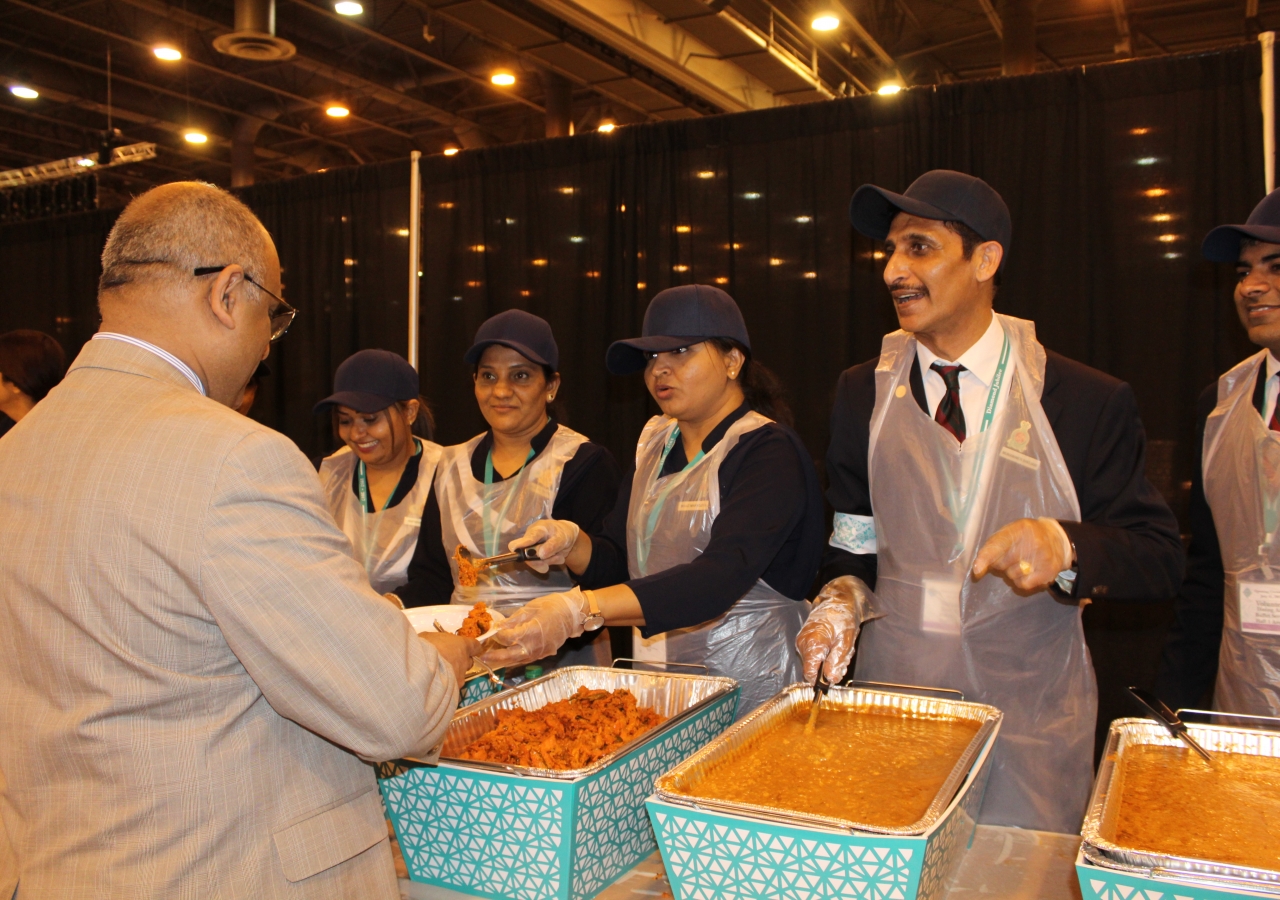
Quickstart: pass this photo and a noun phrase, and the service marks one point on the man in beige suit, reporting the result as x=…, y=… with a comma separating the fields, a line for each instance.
x=192, y=667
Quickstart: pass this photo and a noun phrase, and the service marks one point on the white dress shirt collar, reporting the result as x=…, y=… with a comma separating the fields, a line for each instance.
x=981, y=359
x=168, y=357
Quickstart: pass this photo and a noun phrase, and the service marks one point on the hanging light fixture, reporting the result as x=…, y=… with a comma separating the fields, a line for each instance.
x=503, y=78
x=23, y=92
x=337, y=111
x=192, y=136
x=825, y=22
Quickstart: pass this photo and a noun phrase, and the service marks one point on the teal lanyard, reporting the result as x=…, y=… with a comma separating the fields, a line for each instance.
x=652, y=522
x=492, y=528
x=960, y=512
x=362, y=483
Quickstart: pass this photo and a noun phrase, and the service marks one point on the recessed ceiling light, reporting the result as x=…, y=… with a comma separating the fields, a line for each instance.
x=826, y=22
x=337, y=110
x=348, y=8
x=195, y=137
x=450, y=151
x=889, y=88
x=167, y=53
x=502, y=78
x=24, y=92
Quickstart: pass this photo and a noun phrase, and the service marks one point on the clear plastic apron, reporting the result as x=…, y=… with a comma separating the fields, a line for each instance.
x=485, y=518
x=383, y=542
x=936, y=502
x=668, y=524
x=1242, y=484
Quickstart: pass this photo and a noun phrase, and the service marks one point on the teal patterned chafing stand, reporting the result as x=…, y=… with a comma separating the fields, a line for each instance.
x=499, y=835
x=712, y=855
x=479, y=688
x=1102, y=883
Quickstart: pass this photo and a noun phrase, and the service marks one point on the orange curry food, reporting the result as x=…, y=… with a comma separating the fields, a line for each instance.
x=467, y=570
x=567, y=734
x=477, y=622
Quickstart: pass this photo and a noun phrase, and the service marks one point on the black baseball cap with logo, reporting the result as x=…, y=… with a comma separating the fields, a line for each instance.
x=372, y=380
x=523, y=332
x=678, y=317
x=941, y=194
x=1223, y=243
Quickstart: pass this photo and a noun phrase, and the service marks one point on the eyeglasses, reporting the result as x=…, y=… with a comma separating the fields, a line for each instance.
x=281, y=313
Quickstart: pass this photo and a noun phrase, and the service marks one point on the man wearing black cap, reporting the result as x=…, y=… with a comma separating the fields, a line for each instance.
x=1228, y=611
x=983, y=486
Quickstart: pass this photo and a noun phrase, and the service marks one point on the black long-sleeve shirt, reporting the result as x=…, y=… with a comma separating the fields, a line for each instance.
x=1127, y=544
x=1189, y=664
x=770, y=526
x=588, y=486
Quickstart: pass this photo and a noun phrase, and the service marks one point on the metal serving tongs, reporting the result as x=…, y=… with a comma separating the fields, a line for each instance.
x=820, y=688
x=524, y=554
x=1169, y=719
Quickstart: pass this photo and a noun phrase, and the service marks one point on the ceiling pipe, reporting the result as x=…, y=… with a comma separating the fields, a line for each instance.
x=243, y=138
x=255, y=34
x=1018, y=42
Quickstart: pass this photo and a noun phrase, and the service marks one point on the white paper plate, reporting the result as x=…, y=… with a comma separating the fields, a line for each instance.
x=451, y=617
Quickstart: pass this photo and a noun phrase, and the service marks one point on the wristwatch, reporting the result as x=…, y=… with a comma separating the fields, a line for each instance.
x=595, y=619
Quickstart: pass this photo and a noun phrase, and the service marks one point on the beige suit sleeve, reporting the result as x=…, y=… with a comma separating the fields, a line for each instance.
x=298, y=612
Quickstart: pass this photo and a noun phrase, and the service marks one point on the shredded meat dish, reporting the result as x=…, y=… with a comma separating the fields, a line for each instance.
x=567, y=734
x=477, y=622
x=467, y=571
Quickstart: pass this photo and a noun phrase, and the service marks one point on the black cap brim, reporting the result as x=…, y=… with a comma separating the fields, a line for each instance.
x=1223, y=243
x=472, y=356
x=872, y=210
x=360, y=401
x=628, y=357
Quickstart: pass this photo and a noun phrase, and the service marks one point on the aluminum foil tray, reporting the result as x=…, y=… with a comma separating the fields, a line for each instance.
x=1104, y=808
x=673, y=695
x=735, y=740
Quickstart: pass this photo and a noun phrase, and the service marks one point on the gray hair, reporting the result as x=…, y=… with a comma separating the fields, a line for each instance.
x=175, y=228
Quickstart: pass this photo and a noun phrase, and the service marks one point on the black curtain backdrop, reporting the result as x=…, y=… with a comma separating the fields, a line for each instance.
x=584, y=230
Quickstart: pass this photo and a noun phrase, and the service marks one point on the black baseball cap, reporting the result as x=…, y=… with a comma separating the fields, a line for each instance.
x=678, y=317
x=523, y=332
x=1223, y=243
x=938, y=194
x=372, y=380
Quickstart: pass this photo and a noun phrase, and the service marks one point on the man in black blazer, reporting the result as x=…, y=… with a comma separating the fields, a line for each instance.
x=1220, y=641
x=1001, y=621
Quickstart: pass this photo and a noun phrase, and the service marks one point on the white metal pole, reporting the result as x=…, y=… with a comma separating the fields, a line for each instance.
x=415, y=253
x=1268, y=41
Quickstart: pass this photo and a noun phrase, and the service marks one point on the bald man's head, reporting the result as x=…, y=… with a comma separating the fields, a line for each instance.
x=171, y=230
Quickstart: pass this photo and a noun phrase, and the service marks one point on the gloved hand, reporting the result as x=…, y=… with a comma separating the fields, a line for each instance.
x=554, y=537
x=827, y=637
x=537, y=629
x=1027, y=553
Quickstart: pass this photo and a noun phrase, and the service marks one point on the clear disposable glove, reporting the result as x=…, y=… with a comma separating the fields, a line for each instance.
x=554, y=537
x=1027, y=553
x=827, y=637
x=537, y=629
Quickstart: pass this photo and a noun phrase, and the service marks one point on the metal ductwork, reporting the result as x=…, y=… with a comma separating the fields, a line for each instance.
x=255, y=34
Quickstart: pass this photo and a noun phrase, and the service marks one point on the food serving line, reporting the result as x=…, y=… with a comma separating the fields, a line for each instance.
x=474, y=828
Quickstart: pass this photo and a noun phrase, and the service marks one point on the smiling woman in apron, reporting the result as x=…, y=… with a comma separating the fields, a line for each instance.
x=378, y=483
x=526, y=467
x=716, y=534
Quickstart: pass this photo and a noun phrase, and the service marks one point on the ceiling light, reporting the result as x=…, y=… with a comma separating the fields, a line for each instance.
x=24, y=92
x=502, y=78
x=348, y=8
x=402, y=232
x=804, y=220
x=1146, y=161
x=889, y=88
x=195, y=137
x=825, y=22
x=683, y=229
x=1162, y=217
x=607, y=126
x=85, y=161
x=337, y=110
x=450, y=151
x=576, y=239
x=750, y=195
x=706, y=173
x=167, y=53
x=1167, y=238
x=1155, y=192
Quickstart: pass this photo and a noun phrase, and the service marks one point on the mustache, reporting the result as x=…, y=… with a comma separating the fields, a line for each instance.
x=903, y=285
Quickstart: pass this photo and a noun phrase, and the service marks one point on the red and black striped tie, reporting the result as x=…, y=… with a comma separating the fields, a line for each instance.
x=949, y=415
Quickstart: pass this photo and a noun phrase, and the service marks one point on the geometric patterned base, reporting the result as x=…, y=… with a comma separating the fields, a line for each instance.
x=479, y=688
x=497, y=835
x=1100, y=883
x=711, y=855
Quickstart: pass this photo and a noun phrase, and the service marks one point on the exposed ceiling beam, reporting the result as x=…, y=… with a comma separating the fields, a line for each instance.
x=1124, y=43
x=993, y=17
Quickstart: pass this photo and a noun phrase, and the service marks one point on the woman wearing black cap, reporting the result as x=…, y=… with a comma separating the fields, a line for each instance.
x=717, y=534
x=378, y=484
x=31, y=364
x=526, y=467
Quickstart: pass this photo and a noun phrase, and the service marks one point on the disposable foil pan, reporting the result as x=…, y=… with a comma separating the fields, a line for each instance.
x=672, y=695
x=1104, y=808
x=670, y=787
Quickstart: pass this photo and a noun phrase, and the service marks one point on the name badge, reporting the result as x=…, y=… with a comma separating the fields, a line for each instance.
x=1259, y=608
x=693, y=506
x=940, y=606
x=1015, y=448
x=413, y=521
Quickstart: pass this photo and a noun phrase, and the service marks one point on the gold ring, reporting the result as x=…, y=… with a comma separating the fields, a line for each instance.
x=1024, y=567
